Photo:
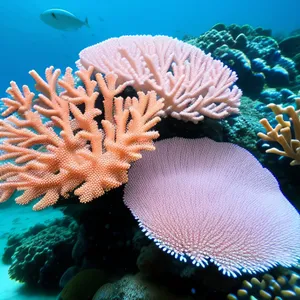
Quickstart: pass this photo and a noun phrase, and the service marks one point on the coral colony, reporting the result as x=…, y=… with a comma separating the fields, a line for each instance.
x=223, y=206
x=81, y=153
x=192, y=84
x=52, y=146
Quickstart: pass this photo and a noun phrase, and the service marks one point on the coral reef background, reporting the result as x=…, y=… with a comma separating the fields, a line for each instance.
x=97, y=251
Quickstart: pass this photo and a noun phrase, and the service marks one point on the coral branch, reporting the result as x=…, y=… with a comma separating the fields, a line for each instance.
x=193, y=84
x=282, y=132
x=71, y=151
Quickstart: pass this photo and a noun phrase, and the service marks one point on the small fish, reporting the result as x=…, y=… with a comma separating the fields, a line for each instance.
x=62, y=19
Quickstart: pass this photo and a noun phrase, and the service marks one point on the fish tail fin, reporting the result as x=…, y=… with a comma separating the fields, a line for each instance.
x=86, y=23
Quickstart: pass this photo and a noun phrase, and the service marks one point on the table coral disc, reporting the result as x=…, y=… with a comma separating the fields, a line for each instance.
x=205, y=201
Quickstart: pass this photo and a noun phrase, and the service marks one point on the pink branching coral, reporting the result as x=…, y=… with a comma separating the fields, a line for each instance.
x=213, y=202
x=193, y=84
x=71, y=151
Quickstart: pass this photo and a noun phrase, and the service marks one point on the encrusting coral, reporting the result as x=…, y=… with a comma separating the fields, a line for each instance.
x=40, y=255
x=71, y=151
x=282, y=132
x=285, y=285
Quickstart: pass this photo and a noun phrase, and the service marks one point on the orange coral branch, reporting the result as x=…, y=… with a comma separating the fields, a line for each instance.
x=82, y=156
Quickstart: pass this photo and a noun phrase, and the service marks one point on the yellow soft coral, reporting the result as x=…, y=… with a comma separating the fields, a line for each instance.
x=82, y=156
x=282, y=133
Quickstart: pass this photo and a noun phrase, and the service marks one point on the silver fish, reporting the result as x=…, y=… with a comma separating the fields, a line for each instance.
x=62, y=19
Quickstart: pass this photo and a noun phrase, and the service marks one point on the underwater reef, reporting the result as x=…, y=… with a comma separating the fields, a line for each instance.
x=41, y=255
x=174, y=162
x=258, y=58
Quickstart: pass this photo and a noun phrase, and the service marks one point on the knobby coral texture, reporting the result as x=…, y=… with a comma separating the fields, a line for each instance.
x=212, y=202
x=192, y=83
x=71, y=151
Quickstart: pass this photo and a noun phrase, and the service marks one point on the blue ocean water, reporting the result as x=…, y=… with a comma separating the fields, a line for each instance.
x=27, y=43
x=106, y=232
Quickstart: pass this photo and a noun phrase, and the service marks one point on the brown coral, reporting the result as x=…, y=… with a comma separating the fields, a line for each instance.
x=282, y=132
x=81, y=156
x=285, y=285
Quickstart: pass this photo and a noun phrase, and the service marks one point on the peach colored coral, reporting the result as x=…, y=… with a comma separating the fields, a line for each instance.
x=192, y=83
x=71, y=152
